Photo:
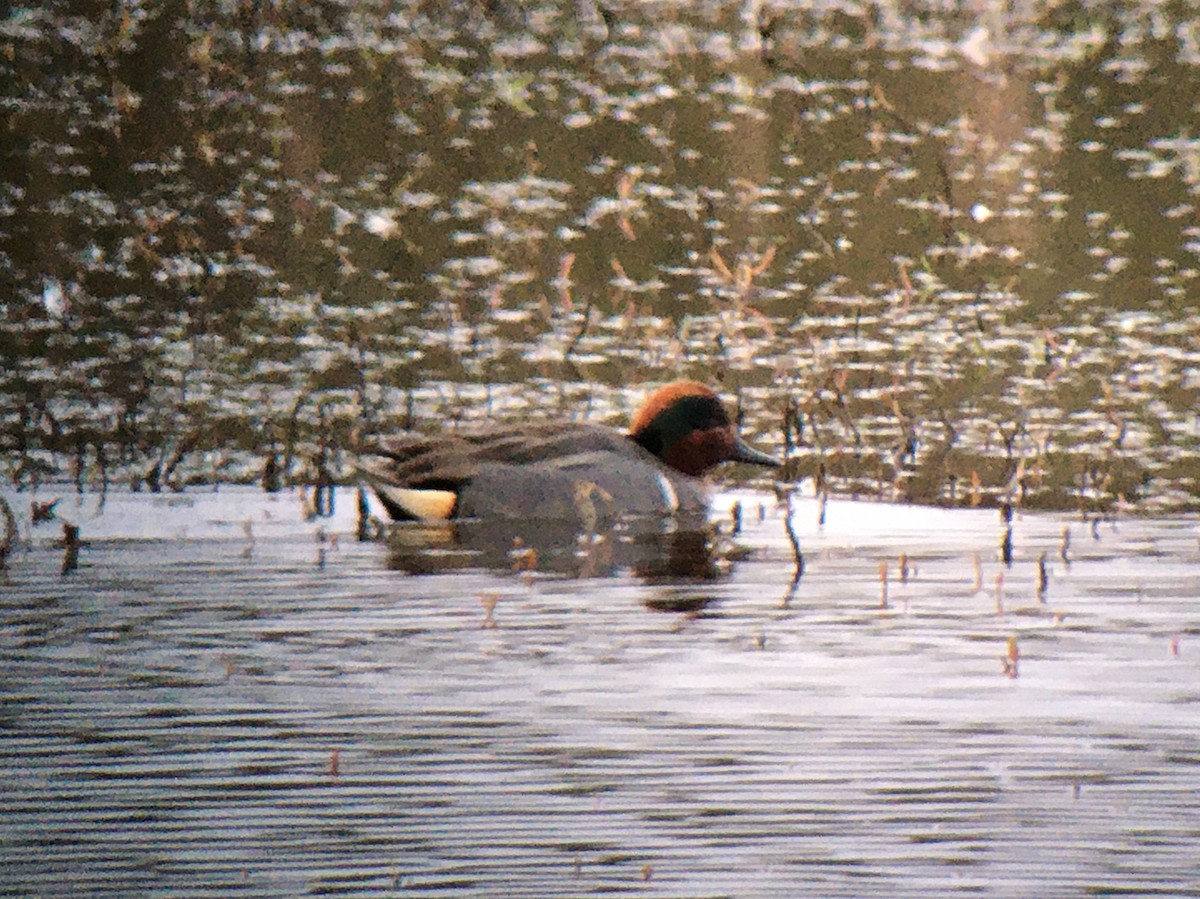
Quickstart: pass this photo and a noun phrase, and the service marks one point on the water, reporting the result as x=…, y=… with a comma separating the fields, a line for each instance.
x=194, y=713
x=939, y=255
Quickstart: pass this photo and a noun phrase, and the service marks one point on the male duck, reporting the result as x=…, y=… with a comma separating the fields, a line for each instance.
x=564, y=471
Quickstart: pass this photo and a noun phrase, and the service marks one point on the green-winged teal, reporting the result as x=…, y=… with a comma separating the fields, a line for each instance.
x=563, y=471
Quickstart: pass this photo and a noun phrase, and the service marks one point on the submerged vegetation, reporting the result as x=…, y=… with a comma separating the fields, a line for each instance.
x=936, y=256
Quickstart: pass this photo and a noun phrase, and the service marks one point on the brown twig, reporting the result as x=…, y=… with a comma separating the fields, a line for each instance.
x=70, y=548
x=10, y=533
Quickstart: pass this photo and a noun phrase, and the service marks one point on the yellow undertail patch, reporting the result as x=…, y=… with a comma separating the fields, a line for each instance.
x=425, y=505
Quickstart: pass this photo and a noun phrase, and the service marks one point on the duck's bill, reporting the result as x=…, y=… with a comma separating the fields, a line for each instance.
x=744, y=452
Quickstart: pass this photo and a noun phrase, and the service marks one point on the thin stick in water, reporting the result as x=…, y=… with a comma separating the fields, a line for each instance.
x=793, y=538
x=70, y=548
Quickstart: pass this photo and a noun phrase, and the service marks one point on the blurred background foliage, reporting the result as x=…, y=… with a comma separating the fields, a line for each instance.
x=941, y=252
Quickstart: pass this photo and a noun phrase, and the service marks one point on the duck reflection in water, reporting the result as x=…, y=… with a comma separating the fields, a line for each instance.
x=563, y=497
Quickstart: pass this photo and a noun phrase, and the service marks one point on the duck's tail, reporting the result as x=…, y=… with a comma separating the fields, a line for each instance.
x=409, y=504
x=406, y=503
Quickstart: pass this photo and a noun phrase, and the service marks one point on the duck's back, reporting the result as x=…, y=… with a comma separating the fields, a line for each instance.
x=447, y=461
x=546, y=471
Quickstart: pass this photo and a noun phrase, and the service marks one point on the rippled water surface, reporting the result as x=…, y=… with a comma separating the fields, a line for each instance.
x=226, y=700
x=946, y=255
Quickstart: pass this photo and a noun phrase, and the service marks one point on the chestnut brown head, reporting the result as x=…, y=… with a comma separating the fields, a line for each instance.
x=688, y=428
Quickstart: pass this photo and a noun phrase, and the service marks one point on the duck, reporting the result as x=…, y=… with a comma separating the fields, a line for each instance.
x=563, y=471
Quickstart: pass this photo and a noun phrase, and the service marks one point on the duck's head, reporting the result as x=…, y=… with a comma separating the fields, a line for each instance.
x=688, y=428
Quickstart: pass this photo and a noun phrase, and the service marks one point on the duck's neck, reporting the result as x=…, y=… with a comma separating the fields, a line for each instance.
x=692, y=454
x=650, y=441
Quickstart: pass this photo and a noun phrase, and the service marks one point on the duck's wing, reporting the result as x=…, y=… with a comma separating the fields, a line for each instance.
x=447, y=461
x=422, y=476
